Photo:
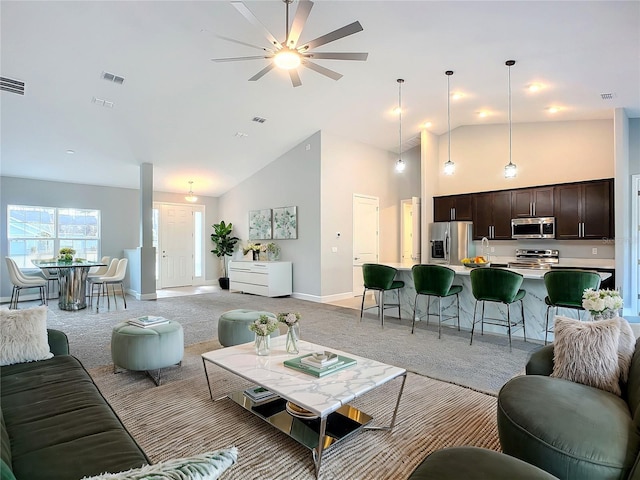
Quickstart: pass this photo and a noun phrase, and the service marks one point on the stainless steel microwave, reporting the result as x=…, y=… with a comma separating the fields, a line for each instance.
x=536, y=227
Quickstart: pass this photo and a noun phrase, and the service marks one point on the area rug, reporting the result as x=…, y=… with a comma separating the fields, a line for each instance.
x=178, y=418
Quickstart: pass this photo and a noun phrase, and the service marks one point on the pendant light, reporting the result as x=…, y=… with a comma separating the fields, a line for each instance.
x=190, y=196
x=400, y=165
x=449, y=166
x=510, y=170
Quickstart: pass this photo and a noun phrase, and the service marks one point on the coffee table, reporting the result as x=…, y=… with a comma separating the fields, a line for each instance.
x=326, y=397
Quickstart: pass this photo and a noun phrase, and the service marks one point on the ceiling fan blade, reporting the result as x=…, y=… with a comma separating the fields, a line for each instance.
x=246, y=13
x=262, y=72
x=265, y=49
x=322, y=70
x=237, y=59
x=295, y=78
x=299, y=21
x=345, y=31
x=337, y=56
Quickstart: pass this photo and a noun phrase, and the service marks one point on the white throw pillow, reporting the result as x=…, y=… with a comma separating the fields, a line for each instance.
x=23, y=335
x=206, y=466
x=587, y=352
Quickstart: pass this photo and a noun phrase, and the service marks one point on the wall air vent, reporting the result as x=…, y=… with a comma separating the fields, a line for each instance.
x=102, y=102
x=110, y=77
x=259, y=119
x=11, y=85
x=607, y=96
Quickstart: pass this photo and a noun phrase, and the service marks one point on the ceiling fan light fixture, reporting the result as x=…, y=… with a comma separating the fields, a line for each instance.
x=190, y=197
x=287, y=59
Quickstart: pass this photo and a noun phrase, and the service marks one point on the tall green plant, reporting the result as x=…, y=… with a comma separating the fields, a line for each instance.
x=224, y=242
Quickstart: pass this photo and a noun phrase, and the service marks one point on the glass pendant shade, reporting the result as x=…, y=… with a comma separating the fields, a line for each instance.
x=449, y=166
x=510, y=169
x=400, y=165
x=190, y=197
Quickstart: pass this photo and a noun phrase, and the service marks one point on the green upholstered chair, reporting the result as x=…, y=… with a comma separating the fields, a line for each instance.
x=435, y=281
x=380, y=278
x=499, y=286
x=474, y=463
x=565, y=289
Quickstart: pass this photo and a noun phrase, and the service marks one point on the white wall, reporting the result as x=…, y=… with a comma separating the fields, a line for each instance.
x=545, y=153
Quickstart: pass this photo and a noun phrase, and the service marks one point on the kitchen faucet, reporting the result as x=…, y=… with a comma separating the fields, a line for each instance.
x=485, y=248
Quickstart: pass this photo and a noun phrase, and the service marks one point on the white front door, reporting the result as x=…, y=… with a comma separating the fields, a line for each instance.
x=365, y=237
x=176, y=245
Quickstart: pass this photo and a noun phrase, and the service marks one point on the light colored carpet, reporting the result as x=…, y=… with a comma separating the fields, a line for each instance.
x=178, y=419
x=485, y=366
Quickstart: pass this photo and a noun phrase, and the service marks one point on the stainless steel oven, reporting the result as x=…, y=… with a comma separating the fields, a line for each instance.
x=535, y=227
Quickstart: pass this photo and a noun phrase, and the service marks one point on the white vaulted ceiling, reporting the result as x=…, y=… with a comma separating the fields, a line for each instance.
x=180, y=111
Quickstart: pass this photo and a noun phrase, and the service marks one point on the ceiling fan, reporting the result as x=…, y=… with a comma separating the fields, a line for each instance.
x=288, y=55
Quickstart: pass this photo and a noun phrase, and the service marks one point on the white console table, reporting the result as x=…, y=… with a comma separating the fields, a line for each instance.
x=269, y=279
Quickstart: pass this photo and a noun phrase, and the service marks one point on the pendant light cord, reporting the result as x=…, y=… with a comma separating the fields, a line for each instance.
x=400, y=82
x=449, y=114
x=509, y=114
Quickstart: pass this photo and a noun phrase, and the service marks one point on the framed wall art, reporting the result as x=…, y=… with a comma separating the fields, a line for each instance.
x=285, y=223
x=260, y=224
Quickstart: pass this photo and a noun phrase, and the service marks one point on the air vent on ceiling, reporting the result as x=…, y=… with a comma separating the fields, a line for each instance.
x=607, y=96
x=241, y=134
x=102, y=102
x=10, y=85
x=259, y=119
x=112, y=78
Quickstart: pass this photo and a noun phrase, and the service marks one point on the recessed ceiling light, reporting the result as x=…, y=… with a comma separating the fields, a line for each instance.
x=70, y=152
x=483, y=114
x=427, y=124
x=553, y=109
x=534, y=87
x=456, y=95
x=397, y=111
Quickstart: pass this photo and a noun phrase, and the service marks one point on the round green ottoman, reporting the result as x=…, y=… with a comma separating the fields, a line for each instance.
x=233, y=326
x=473, y=463
x=144, y=349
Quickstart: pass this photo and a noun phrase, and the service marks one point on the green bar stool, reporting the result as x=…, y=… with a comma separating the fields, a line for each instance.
x=380, y=278
x=498, y=286
x=565, y=289
x=435, y=281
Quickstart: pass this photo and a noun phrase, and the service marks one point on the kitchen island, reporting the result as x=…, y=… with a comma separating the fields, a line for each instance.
x=535, y=309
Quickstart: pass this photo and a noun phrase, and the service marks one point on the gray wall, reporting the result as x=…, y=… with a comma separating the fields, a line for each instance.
x=634, y=146
x=120, y=214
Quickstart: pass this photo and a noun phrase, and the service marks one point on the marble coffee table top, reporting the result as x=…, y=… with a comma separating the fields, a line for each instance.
x=321, y=396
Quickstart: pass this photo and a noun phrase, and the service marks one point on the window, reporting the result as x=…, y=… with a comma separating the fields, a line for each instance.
x=40, y=232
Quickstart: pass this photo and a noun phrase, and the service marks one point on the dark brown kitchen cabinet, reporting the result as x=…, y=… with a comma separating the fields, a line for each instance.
x=452, y=207
x=532, y=202
x=492, y=215
x=584, y=210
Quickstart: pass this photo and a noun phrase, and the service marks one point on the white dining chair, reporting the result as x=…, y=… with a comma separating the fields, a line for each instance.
x=21, y=281
x=116, y=279
x=100, y=271
x=96, y=280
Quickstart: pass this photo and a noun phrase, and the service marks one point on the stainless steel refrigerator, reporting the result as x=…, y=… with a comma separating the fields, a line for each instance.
x=450, y=242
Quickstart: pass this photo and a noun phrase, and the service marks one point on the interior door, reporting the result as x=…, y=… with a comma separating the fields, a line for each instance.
x=365, y=236
x=176, y=246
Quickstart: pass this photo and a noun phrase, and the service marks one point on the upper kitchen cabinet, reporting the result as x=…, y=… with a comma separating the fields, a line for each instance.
x=532, y=202
x=452, y=207
x=584, y=210
x=492, y=215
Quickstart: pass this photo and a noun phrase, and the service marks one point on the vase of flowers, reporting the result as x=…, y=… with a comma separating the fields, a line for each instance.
x=66, y=254
x=263, y=328
x=602, y=304
x=291, y=320
x=273, y=251
x=254, y=248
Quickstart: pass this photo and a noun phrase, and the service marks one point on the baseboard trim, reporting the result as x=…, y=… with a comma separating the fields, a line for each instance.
x=142, y=296
x=322, y=299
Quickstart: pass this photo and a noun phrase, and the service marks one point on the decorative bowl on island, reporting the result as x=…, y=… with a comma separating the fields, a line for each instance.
x=475, y=262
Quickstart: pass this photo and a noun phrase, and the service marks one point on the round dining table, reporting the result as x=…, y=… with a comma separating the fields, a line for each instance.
x=72, y=281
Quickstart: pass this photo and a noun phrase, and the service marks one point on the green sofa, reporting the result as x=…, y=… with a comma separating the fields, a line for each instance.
x=571, y=430
x=56, y=424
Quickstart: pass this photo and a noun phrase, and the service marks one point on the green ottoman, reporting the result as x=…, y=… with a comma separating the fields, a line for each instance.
x=473, y=463
x=233, y=326
x=145, y=349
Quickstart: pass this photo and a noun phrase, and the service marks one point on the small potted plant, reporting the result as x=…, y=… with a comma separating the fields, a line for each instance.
x=224, y=245
x=66, y=254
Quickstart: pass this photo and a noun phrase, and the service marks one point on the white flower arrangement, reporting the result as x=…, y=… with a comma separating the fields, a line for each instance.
x=605, y=303
x=289, y=318
x=253, y=247
x=264, y=326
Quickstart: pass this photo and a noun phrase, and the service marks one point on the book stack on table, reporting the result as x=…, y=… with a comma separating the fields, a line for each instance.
x=259, y=395
x=320, y=364
x=147, y=321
